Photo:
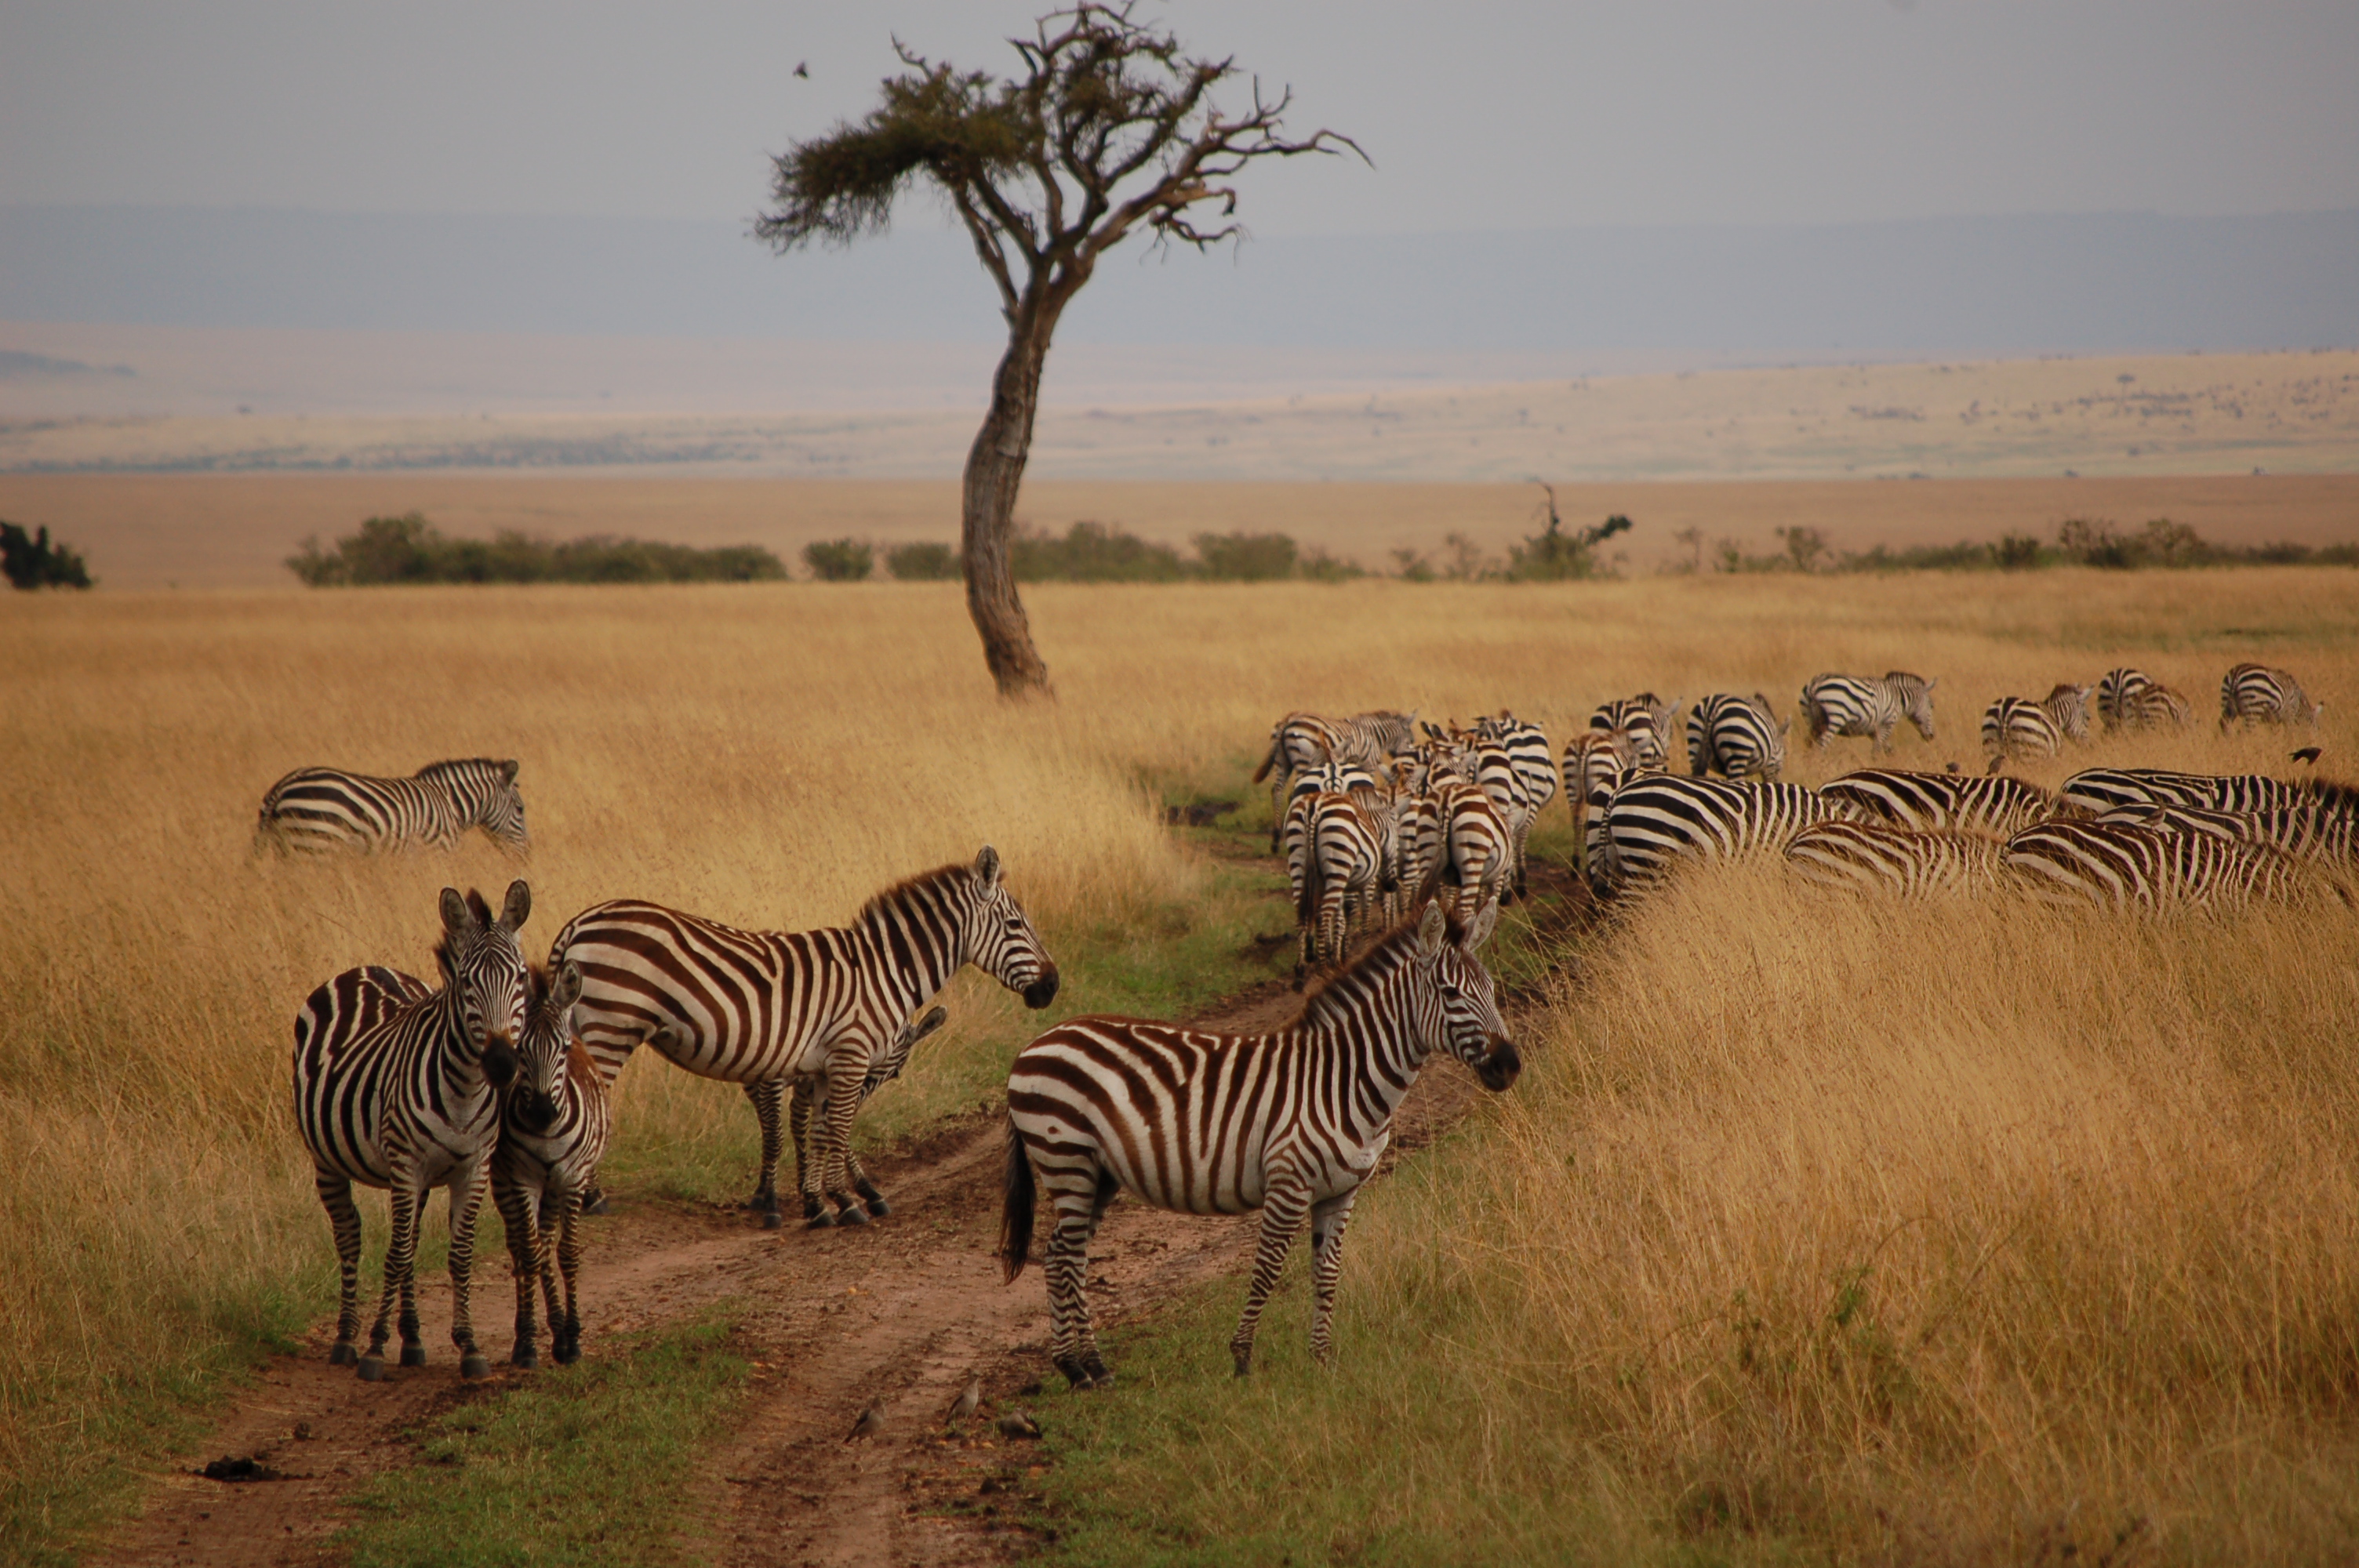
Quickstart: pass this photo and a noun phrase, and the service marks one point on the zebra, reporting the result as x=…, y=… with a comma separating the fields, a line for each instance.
x=2324, y=827
x=1596, y=763
x=2116, y=691
x=1301, y=741
x=1336, y=862
x=397, y=1085
x=1995, y=805
x=1853, y=705
x=1646, y=722
x=1527, y=746
x=1289, y=1122
x=808, y=1106
x=2099, y=790
x=2018, y=727
x=1496, y=771
x=763, y=1008
x=2132, y=700
x=1738, y=737
x=1868, y=857
x=1654, y=824
x=1454, y=837
x=315, y=810
x=2140, y=868
x=2256, y=694
x=554, y=1119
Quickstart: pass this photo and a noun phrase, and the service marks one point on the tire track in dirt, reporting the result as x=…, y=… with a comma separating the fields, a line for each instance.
x=900, y=1314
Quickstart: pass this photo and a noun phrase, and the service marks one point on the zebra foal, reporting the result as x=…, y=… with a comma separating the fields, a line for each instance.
x=1289, y=1122
x=554, y=1119
x=320, y=810
x=1856, y=705
x=765, y=1008
x=1863, y=857
x=397, y=1085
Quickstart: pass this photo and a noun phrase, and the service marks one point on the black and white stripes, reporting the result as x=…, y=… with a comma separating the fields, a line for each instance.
x=1858, y=705
x=1737, y=736
x=316, y=810
x=2018, y=727
x=2258, y=694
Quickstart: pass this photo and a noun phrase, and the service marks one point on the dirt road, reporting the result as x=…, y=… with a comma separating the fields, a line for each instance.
x=898, y=1313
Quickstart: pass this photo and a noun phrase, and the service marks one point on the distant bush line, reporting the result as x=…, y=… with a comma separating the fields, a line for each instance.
x=2080, y=541
x=409, y=549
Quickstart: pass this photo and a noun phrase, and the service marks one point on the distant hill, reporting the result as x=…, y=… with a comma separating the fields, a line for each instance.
x=2082, y=284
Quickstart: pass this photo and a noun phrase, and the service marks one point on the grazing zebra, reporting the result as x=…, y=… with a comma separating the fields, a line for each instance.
x=1596, y=763
x=1289, y=1122
x=1995, y=805
x=1855, y=705
x=2324, y=829
x=1864, y=857
x=2255, y=694
x=2132, y=700
x=762, y=1008
x=1335, y=860
x=1646, y=722
x=2115, y=692
x=2018, y=727
x=1653, y=825
x=553, y=1123
x=2124, y=867
x=397, y=1087
x=1301, y=741
x=2099, y=790
x=1453, y=836
x=1738, y=737
x=312, y=810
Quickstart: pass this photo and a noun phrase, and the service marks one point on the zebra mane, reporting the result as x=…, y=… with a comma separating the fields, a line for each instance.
x=452, y=764
x=925, y=881
x=1323, y=1003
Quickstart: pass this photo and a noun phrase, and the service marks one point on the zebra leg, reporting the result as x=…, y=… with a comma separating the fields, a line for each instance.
x=344, y=1217
x=1072, y=1341
x=847, y=1067
x=799, y=1129
x=399, y=1253
x=516, y=1203
x=566, y=1342
x=1327, y=1221
x=466, y=1204
x=1289, y=1198
x=767, y=1095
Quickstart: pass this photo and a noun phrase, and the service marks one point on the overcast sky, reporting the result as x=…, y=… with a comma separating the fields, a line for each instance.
x=1478, y=115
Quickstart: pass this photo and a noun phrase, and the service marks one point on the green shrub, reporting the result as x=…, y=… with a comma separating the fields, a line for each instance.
x=409, y=549
x=1246, y=557
x=838, y=560
x=923, y=563
x=30, y=561
x=1093, y=552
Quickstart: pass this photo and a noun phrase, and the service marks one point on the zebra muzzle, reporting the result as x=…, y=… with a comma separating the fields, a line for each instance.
x=1042, y=991
x=499, y=1061
x=1501, y=1067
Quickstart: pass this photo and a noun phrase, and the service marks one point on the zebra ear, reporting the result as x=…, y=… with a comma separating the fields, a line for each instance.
x=509, y=770
x=1934, y=682
x=1480, y=932
x=456, y=915
x=568, y=988
x=1429, y=930
x=986, y=866
x=518, y=907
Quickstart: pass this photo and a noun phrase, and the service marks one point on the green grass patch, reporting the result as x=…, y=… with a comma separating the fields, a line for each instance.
x=577, y=1465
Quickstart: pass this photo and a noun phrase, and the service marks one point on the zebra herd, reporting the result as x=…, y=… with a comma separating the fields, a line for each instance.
x=503, y=1075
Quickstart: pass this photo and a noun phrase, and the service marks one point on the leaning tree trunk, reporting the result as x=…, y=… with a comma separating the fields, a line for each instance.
x=994, y=469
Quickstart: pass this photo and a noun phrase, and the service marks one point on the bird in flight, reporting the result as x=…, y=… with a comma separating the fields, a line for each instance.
x=802, y=68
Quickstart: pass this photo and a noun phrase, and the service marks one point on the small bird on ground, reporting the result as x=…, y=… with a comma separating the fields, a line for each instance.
x=1996, y=762
x=963, y=1406
x=802, y=68
x=871, y=1423
x=2307, y=754
x=1950, y=766
x=1018, y=1423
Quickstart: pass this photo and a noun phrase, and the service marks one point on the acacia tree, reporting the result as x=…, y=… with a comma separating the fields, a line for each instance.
x=1110, y=130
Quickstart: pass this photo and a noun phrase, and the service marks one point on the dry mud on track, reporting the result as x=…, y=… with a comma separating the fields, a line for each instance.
x=898, y=1313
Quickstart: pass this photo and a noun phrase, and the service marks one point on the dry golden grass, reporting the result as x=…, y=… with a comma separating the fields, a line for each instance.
x=769, y=755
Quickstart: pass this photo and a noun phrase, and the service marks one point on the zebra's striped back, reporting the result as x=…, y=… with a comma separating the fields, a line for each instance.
x=1655, y=824
x=2116, y=690
x=1995, y=805
x=2099, y=790
x=2132, y=700
x=1301, y=741
x=2319, y=829
x=316, y=810
x=1861, y=857
x=2018, y=727
x=1737, y=736
x=2122, y=867
x=1857, y=705
x=1527, y=752
x=1646, y=721
x=2256, y=694
x=1288, y=1122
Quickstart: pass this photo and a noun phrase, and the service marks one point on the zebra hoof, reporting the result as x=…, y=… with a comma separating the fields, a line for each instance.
x=878, y=1208
x=413, y=1356
x=526, y=1357
x=812, y=1207
x=1075, y=1372
x=1245, y=1361
x=569, y=1353
x=344, y=1354
x=773, y=1220
x=473, y=1365
x=1100, y=1376
x=372, y=1368
x=853, y=1214
x=597, y=1205
x=822, y=1220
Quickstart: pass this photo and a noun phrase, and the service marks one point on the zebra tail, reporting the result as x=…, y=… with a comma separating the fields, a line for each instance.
x=1016, y=1215
x=1267, y=763
x=1306, y=907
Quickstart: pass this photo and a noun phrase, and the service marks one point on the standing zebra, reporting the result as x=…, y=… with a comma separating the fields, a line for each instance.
x=1527, y=746
x=1452, y=837
x=1738, y=737
x=1863, y=857
x=2119, y=687
x=1335, y=860
x=1596, y=763
x=1646, y=722
x=1653, y=825
x=762, y=1008
x=2132, y=700
x=1301, y=741
x=2139, y=867
x=1855, y=705
x=1289, y=1122
x=2255, y=694
x=2018, y=727
x=553, y=1124
x=2099, y=790
x=2324, y=829
x=809, y=1107
x=1995, y=805
x=313, y=810
x=397, y=1087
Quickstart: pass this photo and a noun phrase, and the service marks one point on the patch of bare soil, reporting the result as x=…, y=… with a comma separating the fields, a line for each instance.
x=896, y=1316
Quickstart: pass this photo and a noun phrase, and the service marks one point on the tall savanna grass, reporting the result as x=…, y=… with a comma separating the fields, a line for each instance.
x=770, y=755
